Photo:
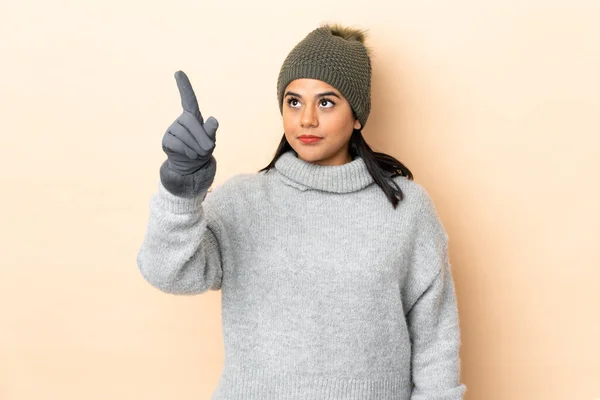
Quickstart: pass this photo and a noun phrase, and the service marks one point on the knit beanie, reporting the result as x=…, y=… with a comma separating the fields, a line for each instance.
x=336, y=55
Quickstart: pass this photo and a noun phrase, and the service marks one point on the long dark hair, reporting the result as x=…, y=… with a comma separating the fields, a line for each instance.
x=381, y=166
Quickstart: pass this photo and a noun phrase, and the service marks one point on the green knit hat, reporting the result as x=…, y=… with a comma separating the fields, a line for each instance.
x=335, y=55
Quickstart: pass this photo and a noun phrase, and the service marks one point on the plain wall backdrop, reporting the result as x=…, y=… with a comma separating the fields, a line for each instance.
x=493, y=105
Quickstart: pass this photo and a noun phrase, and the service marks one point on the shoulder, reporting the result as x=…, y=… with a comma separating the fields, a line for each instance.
x=421, y=205
x=416, y=196
x=234, y=189
x=245, y=183
x=236, y=182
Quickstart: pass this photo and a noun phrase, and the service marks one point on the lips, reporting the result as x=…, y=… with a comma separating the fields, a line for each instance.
x=308, y=139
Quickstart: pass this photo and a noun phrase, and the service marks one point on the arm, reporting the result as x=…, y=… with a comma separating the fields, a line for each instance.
x=432, y=317
x=181, y=251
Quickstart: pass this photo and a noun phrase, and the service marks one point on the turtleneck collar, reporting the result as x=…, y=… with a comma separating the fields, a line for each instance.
x=345, y=178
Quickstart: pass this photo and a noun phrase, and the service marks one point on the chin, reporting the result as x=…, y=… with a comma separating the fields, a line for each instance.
x=314, y=155
x=309, y=153
x=309, y=156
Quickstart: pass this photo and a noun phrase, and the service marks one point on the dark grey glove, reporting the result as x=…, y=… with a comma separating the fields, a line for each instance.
x=189, y=141
x=190, y=167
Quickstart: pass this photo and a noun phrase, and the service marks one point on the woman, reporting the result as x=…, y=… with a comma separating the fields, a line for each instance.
x=332, y=261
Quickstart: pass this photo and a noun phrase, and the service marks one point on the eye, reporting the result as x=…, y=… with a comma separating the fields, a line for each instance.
x=293, y=102
x=326, y=103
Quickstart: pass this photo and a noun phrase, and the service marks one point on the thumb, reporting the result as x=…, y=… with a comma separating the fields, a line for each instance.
x=210, y=126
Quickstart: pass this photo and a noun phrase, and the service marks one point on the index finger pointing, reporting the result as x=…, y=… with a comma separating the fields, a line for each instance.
x=188, y=97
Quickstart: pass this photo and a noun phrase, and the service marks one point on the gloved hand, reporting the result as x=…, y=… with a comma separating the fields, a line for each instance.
x=189, y=141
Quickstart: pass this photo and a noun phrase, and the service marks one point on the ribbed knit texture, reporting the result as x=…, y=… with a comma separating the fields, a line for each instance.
x=342, y=63
x=328, y=292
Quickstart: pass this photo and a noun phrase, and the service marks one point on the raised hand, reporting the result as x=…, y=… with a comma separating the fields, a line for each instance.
x=189, y=141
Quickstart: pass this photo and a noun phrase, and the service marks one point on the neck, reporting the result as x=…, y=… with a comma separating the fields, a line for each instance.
x=338, y=159
x=349, y=177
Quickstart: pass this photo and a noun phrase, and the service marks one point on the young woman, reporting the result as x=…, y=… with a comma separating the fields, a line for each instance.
x=332, y=262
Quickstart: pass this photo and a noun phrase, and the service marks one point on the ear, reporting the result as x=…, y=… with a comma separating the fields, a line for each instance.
x=357, y=124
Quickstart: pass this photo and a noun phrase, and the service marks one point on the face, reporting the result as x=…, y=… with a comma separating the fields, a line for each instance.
x=313, y=108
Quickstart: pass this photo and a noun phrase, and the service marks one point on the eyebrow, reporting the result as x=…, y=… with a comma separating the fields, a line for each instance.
x=318, y=95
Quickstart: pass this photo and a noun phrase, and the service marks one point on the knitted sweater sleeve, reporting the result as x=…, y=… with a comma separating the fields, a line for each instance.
x=432, y=312
x=181, y=250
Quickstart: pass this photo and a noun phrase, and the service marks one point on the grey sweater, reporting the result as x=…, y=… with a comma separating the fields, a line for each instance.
x=328, y=292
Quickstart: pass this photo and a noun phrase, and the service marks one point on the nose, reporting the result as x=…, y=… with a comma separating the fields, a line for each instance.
x=309, y=118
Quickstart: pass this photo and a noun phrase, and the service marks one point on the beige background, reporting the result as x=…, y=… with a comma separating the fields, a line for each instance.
x=493, y=105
